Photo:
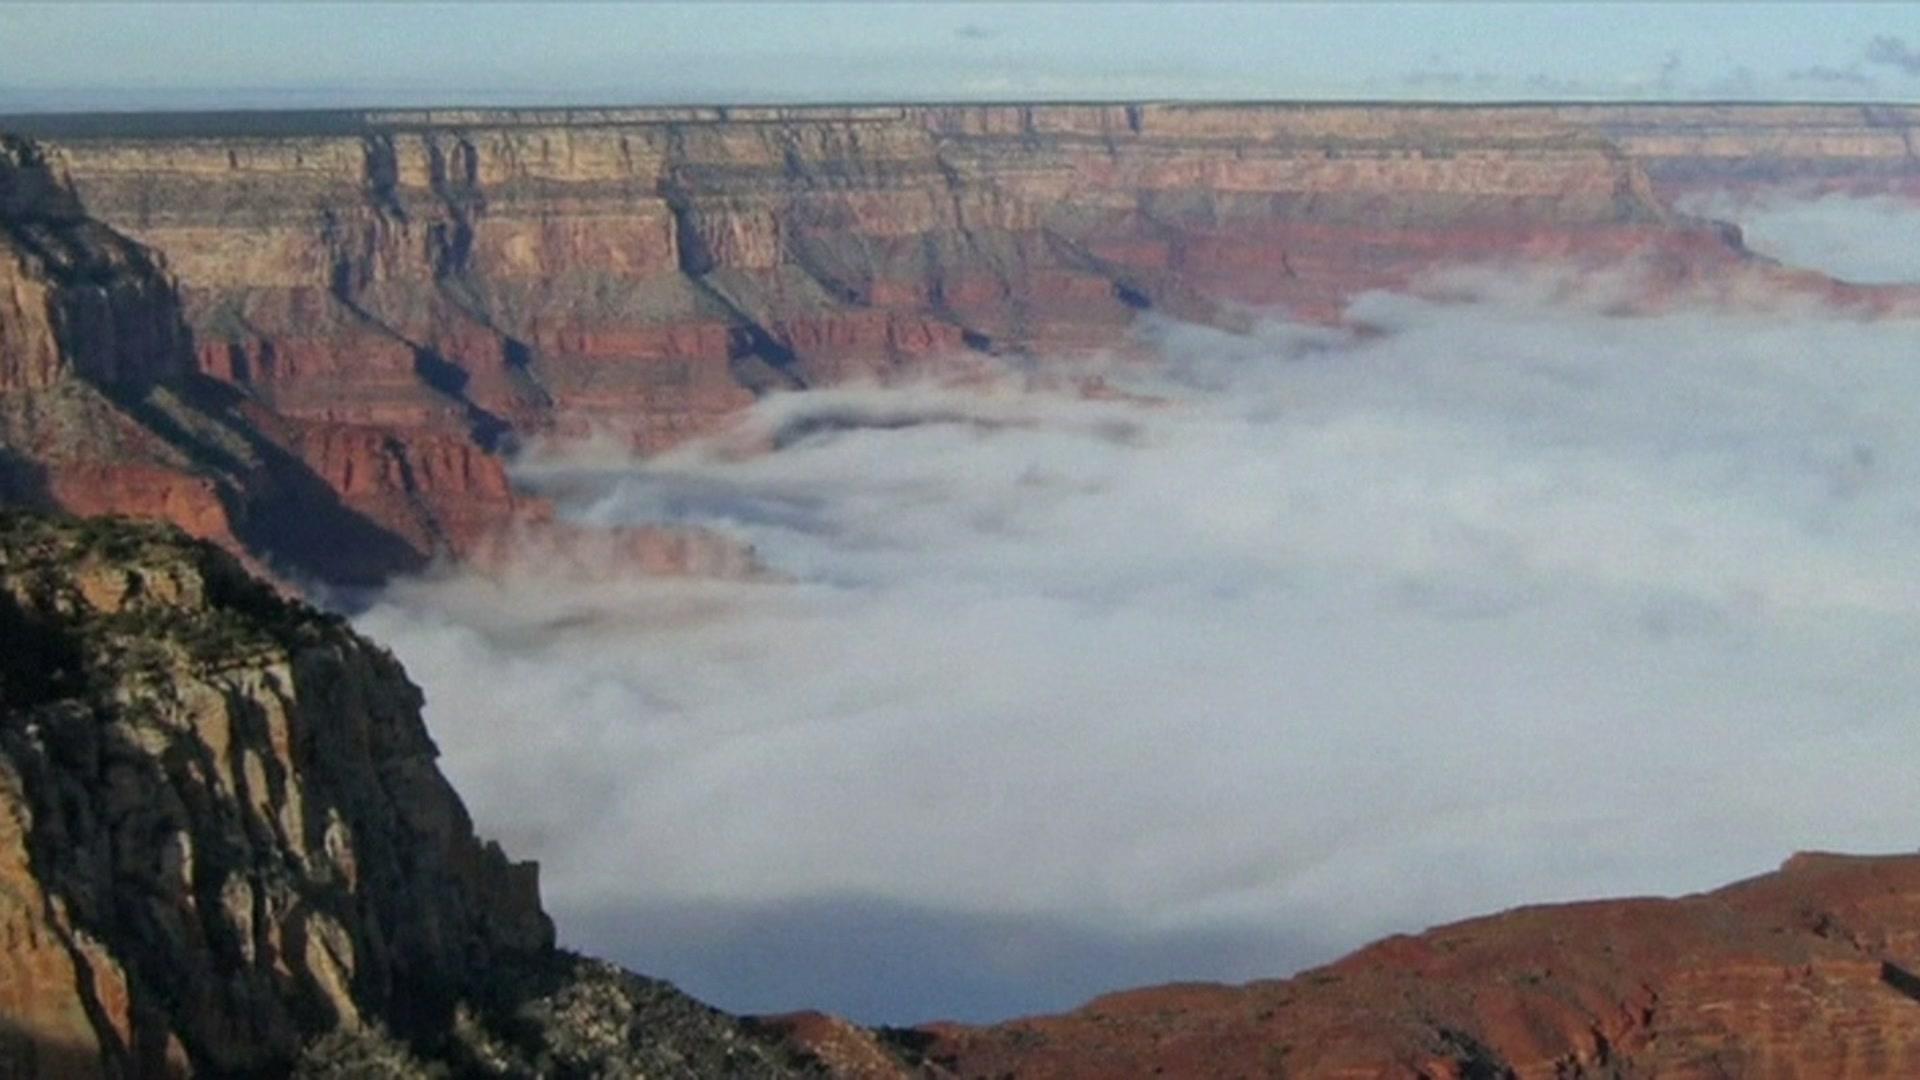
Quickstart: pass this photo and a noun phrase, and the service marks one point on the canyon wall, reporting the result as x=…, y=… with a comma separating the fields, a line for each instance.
x=103, y=409
x=650, y=271
x=391, y=300
x=1682, y=147
x=225, y=849
x=75, y=296
x=89, y=324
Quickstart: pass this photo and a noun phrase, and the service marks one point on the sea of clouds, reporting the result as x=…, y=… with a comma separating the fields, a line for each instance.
x=1502, y=594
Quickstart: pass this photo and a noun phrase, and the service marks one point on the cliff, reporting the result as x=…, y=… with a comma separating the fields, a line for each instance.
x=75, y=296
x=225, y=849
x=391, y=300
x=650, y=270
x=103, y=410
x=1683, y=147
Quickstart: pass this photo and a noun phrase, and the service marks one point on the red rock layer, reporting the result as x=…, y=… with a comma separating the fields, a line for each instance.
x=1807, y=972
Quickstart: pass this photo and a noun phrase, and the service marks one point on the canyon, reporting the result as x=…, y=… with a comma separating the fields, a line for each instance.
x=374, y=309
x=314, y=342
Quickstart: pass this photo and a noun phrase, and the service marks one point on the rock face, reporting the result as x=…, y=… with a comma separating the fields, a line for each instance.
x=103, y=410
x=1689, y=146
x=223, y=837
x=75, y=297
x=651, y=269
x=1807, y=972
x=372, y=306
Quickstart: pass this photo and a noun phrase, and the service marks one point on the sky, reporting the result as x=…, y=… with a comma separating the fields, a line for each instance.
x=236, y=55
x=1515, y=594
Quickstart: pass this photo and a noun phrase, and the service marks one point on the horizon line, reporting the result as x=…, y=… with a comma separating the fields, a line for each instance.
x=105, y=121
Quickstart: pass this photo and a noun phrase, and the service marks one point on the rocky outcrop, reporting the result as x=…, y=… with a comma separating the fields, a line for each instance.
x=225, y=848
x=1807, y=972
x=75, y=297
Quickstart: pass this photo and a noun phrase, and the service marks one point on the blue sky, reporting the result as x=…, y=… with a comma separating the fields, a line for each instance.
x=75, y=55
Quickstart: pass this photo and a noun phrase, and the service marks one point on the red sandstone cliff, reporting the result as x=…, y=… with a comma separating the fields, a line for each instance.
x=102, y=410
x=651, y=269
x=88, y=321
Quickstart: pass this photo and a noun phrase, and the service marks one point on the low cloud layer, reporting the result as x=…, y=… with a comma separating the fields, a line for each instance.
x=1506, y=597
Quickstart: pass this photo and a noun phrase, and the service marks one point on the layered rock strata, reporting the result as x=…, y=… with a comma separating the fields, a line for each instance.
x=104, y=409
x=225, y=849
x=393, y=299
x=651, y=269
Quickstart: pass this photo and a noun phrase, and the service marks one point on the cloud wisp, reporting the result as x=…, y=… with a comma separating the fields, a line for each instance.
x=1893, y=51
x=1506, y=597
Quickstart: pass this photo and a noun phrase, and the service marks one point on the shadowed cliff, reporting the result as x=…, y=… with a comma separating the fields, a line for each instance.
x=225, y=848
x=103, y=410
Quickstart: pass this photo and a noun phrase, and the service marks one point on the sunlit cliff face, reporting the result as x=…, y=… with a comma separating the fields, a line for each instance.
x=1315, y=634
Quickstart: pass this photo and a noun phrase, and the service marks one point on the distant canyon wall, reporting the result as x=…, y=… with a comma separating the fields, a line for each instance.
x=395, y=298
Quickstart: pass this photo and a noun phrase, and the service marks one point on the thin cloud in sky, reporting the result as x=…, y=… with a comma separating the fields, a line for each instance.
x=158, y=55
x=1893, y=52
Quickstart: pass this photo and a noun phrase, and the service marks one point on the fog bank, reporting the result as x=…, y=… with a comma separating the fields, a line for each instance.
x=1506, y=597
